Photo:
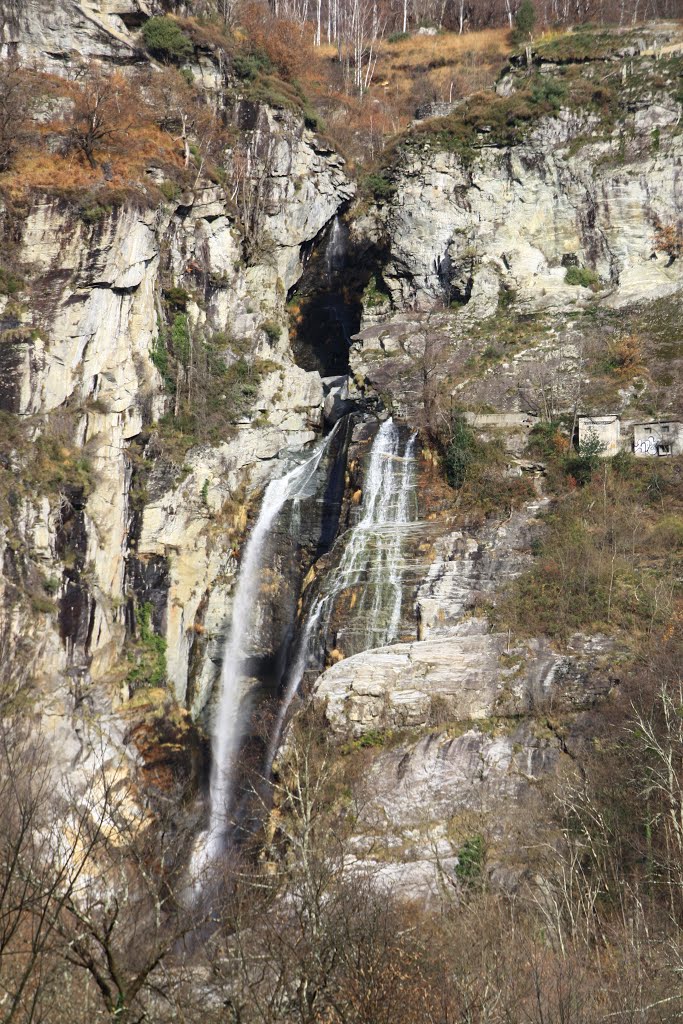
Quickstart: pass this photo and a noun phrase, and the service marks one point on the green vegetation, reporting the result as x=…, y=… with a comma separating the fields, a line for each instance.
x=477, y=470
x=93, y=212
x=583, y=44
x=42, y=605
x=48, y=464
x=166, y=41
x=461, y=451
x=180, y=338
x=374, y=739
x=10, y=283
x=176, y=298
x=470, y=866
x=51, y=585
x=272, y=329
x=379, y=186
x=611, y=555
x=525, y=20
x=216, y=387
x=582, y=276
x=488, y=119
x=148, y=652
x=250, y=65
x=374, y=294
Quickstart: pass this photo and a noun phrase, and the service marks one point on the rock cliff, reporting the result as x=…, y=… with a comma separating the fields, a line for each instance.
x=498, y=252
x=130, y=522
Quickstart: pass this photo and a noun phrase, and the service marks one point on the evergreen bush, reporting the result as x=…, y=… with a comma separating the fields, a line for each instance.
x=166, y=41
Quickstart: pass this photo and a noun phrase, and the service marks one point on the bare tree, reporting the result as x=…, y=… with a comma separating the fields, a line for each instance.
x=15, y=104
x=102, y=111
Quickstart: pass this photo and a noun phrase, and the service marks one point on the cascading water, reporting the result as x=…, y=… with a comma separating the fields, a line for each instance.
x=371, y=559
x=372, y=551
x=233, y=707
x=335, y=250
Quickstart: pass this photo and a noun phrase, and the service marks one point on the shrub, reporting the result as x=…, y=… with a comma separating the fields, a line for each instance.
x=170, y=190
x=177, y=298
x=460, y=453
x=149, y=653
x=625, y=356
x=51, y=585
x=42, y=605
x=669, y=240
x=592, y=570
x=373, y=294
x=582, y=465
x=582, y=276
x=379, y=186
x=548, y=91
x=166, y=41
x=525, y=19
x=93, y=213
x=470, y=864
x=180, y=338
x=313, y=122
x=272, y=330
x=10, y=283
x=249, y=65
x=546, y=440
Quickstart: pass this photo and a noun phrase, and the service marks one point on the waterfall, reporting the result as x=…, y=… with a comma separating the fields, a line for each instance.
x=335, y=250
x=393, y=553
x=294, y=678
x=233, y=709
x=372, y=553
x=372, y=556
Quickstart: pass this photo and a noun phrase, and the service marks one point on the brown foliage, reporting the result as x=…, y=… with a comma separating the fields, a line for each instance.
x=15, y=105
x=668, y=238
x=286, y=43
x=104, y=109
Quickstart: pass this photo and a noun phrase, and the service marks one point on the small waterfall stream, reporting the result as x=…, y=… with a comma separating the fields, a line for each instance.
x=233, y=709
x=371, y=559
x=335, y=251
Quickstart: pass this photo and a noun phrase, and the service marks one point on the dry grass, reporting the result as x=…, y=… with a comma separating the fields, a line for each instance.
x=419, y=51
x=442, y=67
x=46, y=161
x=37, y=168
x=409, y=72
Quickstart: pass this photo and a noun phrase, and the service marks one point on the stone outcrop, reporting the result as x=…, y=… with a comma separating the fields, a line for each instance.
x=55, y=33
x=512, y=217
x=78, y=363
x=458, y=720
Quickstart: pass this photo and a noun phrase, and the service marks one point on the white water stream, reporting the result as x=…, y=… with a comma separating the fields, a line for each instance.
x=371, y=561
x=233, y=709
x=372, y=558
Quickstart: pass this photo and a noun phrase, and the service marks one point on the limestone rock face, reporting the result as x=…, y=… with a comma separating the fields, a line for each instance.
x=422, y=799
x=509, y=219
x=54, y=32
x=457, y=720
x=78, y=362
x=306, y=186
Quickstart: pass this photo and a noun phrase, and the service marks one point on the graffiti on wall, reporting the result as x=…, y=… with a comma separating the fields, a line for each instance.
x=655, y=444
x=647, y=445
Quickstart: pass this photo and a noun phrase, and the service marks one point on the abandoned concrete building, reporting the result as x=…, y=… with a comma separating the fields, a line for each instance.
x=659, y=437
x=654, y=438
x=607, y=429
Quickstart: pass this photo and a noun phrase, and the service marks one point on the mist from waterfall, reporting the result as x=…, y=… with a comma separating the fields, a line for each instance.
x=372, y=557
x=232, y=713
